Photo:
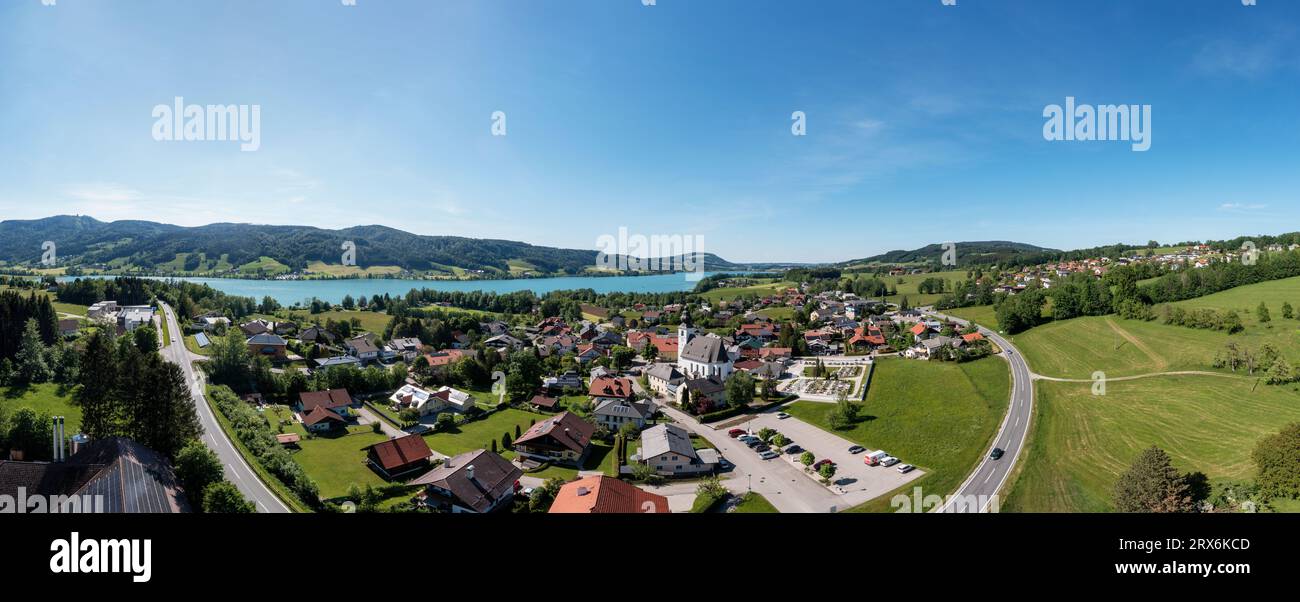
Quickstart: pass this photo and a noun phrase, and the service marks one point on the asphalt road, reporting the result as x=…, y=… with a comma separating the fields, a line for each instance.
x=237, y=470
x=976, y=494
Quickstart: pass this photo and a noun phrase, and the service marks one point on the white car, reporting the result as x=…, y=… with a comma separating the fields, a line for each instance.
x=888, y=461
x=782, y=415
x=905, y=468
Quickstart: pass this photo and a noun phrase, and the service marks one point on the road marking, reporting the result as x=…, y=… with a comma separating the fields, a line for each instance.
x=234, y=472
x=991, y=473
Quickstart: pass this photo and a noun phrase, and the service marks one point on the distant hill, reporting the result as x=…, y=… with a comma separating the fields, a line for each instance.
x=968, y=253
x=265, y=250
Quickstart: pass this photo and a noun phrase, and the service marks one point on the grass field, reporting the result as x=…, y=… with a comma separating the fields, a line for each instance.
x=979, y=314
x=264, y=265
x=1081, y=442
x=1078, y=347
x=762, y=288
x=46, y=397
x=938, y=416
x=336, y=463
x=332, y=269
x=909, y=283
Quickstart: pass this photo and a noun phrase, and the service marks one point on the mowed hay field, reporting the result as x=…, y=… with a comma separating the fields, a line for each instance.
x=939, y=416
x=1076, y=348
x=1081, y=443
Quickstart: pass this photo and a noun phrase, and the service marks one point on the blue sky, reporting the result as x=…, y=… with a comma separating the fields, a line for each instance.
x=924, y=121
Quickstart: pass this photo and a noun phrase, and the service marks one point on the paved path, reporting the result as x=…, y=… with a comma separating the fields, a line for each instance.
x=237, y=470
x=1137, y=376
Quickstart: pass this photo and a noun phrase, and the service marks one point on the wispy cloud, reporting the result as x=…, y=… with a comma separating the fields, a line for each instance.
x=104, y=193
x=1242, y=207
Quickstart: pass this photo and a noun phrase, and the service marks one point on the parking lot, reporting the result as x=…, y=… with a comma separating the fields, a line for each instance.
x=854, y=481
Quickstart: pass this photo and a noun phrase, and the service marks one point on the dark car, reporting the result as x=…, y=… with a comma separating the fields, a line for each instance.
x=736, y=432
x=755, y=442
x=762, y=447
x=857, y=449
x=996, y=454
x=819, y=464
x=793, y=449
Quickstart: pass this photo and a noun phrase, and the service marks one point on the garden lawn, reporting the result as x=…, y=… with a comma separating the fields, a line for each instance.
x=480, y=434
x=336, y=463
x=1081, y=442
x=754, y=503
x=48, y=398
x=938, y=416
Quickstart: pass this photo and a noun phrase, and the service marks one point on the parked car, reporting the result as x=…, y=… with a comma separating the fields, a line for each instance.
x=527, y=492
x=755, y=442
x=782, y=415
x=906, y=468
x=736, y=432
x=874, y=458
x=794, y=449
x=747, y=438
x=762, y=447
x=996, y=454
x=767, y=455
x=889, y=461
x=857, y=449
x=820, y=462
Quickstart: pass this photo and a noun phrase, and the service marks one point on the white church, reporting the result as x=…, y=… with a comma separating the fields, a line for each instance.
x=701, y=356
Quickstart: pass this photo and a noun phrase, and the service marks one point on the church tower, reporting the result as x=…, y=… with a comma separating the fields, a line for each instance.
x=686, y=329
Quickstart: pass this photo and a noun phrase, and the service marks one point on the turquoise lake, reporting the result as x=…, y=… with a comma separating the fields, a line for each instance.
x=288, y=292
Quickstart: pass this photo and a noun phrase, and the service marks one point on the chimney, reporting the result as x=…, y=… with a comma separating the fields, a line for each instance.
x=469, y=472
x=56, y=424
x=583, y=491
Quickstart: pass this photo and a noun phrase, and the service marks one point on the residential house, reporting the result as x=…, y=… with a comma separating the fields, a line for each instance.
x=614, y=413
x=268, y=345
x=362, y=348
x=396, y=457
x=705, y=394
x=664, y=379
x=668, y=450
x=407, y=348
x=562, y=439
x=257, y=327
x=476, y=482
x=606, y=495
x=341, y=360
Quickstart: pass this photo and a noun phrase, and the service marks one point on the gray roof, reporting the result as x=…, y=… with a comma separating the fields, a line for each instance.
x=706, y=349
x=266, y=338
x=619, y=407
x=665, y=438
x=665, y=372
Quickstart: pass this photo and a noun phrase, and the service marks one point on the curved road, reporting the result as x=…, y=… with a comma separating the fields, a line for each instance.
x=237, y=470
x=976, y=493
